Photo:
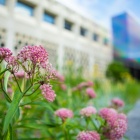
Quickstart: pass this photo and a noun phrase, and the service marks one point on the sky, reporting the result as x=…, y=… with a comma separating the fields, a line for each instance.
x=101, y=11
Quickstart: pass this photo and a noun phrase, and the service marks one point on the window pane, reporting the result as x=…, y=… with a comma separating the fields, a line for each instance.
x=95, y=37
x=49, y=18
x=24, y=9
x=83, y=31
x=68, y=25
x=2, y=2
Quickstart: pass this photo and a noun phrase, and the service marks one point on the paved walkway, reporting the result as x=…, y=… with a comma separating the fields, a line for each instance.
x=134, y=123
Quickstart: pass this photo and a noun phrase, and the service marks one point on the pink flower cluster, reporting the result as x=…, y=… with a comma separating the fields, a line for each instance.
x=48, y=92
x=117, y=102
x=12, y=64
x=88, y=111
x=60, y=77
x=90, y=92
x=64, y=113
x=5, y=53
x=116, y=124
x=82, y=85
x=109, y=114
x=35, y=54
x=88, y=135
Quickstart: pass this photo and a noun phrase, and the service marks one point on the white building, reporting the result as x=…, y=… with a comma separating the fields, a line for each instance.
x=67, y=35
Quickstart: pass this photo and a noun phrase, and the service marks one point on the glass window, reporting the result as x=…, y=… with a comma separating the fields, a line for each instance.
x=83, y=31
x=24, y=8
x=68, y=25
x=105, y=41
x=2, y=2
x=48, y=17
x=95, y=37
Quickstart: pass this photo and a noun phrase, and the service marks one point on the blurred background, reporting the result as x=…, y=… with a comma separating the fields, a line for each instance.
x=97, y=40
x=86, y=33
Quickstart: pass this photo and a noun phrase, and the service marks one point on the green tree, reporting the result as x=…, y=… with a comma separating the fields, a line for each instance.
x=116, y=71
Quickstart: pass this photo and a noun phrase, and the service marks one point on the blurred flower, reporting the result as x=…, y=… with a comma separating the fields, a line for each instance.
x=5, y=53
x=88, y=111
x=109, y=114
x=119, y=129
x=90, y=83
x=122, y=116
x=117, y=102
x=48, y=92
x=63, y=86
x=64, y=113
x=20, y=74
x=88, y=135
x=60, y=77
x=82, y=85
x=116, y=125
x=90, y=92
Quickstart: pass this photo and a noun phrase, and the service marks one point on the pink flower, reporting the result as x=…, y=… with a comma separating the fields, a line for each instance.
x=122, y=116
x=117, y=102
x=48, y=92
x=82, y=85
x=60, y=77
x=12, y=64
x=88, y=111
x=35, y=54
x=118, y=130
x=5, y=53
x=88, y=135
x=109, y=114
x=64, y=113
x=90, y=83
x=63, y=86
x=20, y=74
x=90, y=92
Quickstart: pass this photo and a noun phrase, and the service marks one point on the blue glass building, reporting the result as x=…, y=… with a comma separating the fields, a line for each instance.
x=126, y=40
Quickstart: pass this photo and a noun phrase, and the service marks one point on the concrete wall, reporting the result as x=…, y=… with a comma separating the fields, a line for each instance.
x=18, y=30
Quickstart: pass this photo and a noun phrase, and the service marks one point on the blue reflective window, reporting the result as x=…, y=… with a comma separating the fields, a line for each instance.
x=24, y=8
x=48, y=17
x=83, y=31
x=68, y=25
x=95, y=37
x=2, y=2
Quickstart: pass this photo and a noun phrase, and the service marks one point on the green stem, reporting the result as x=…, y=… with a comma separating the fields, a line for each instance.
x=17, y=83
x=95, y=125
x=3, y=71
x=5, y=94
x=27, y=89
x=65, y=131
x=33, y=91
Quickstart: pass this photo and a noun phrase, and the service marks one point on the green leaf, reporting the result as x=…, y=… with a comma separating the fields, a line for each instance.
x=6, y=77
x=11, y=111
x=7, y=97
x=9, y=134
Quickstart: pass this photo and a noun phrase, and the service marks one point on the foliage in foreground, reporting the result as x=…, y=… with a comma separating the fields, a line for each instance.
x=77, y=111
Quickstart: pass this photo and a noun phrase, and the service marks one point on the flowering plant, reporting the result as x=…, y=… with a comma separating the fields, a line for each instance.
x=23, y=75
x=28, y=83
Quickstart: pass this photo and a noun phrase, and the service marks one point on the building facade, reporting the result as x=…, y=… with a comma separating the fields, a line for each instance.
x=126, y=41
x=67, y=35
